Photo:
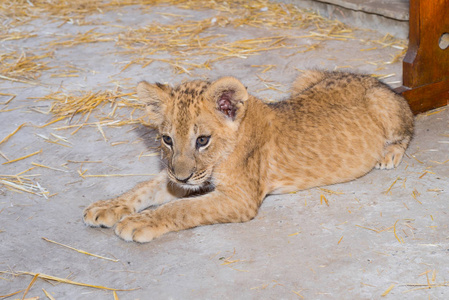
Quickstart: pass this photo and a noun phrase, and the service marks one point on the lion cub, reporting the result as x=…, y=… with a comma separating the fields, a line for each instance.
x=226, y=150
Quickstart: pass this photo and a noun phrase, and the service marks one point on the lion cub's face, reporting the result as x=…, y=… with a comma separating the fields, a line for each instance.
x=198, y=122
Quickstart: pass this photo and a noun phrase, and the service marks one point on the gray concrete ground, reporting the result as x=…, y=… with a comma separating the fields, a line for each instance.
x=386, y=16
x=383, y=234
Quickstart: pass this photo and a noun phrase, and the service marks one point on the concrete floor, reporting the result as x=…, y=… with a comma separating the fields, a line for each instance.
x=386, y=16
x=388, y=229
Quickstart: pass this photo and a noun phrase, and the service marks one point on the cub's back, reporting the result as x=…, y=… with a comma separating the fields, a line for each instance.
x=335, y=128
x=318, y=91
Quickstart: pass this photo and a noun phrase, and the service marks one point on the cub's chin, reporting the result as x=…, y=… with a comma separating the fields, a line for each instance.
x=194, y=189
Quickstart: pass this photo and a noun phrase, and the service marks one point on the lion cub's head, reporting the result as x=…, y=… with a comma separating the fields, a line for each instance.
x=198, y=122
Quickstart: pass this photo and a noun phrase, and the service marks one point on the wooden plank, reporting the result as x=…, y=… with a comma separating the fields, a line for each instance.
x=426, y=97
x=426, y=65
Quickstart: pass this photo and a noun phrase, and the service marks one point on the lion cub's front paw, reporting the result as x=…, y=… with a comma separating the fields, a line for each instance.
x=105, y=213
x=139, y=227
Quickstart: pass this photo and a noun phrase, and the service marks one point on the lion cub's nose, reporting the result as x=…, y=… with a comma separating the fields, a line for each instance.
x=183, y=167
x=185, y=179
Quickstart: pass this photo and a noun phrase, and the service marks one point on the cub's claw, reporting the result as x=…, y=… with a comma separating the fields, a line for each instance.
x=105, y=213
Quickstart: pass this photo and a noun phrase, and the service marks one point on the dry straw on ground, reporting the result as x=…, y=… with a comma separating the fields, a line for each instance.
x=182, y=38
x=192, y=44
x=80, y=251
x=83, y=103
x=23, y=66
x=67, y=281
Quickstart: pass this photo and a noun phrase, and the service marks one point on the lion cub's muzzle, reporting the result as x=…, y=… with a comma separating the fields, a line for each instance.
x=193, y=181
x=184, y=180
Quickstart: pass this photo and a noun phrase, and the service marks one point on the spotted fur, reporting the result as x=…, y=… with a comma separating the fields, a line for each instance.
x=226, y=150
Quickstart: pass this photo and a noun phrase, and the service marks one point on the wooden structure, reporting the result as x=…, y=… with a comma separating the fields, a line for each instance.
x=426, y=64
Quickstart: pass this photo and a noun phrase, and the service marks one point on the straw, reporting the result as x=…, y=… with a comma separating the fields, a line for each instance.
x=118, y=175
x=47, y=167
x=115, y=295
x=21, y=158
x=62, y=280
x=400, y=240
x=20, y=183
x=12, y=294
x=322, y=197
x=388, y=290
x=391, y=186
x=30, y=285
x=48, y=294
x=80, y=251
x=6, y=138
x=22, y=67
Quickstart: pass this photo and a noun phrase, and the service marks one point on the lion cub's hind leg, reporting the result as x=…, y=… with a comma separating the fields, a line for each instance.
x=392, y=155
x=396, y=119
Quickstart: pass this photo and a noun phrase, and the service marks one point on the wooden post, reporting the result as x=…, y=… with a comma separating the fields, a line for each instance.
x=426, y=64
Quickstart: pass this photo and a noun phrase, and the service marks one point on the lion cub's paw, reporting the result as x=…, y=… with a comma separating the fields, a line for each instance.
x=392, y=157
x=105, y=213
x=138, y=227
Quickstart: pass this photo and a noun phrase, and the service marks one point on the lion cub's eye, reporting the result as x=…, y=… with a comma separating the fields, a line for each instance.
x=167, y=140
x=202, y=141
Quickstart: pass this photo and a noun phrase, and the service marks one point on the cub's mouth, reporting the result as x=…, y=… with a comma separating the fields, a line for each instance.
x=196, y=181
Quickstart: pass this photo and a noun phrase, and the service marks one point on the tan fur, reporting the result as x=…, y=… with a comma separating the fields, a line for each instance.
x=335, y=127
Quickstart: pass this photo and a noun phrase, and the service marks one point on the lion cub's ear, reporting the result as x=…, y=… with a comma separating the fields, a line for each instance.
x=155, y=96
x=229, y=95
